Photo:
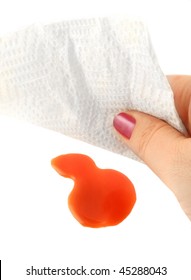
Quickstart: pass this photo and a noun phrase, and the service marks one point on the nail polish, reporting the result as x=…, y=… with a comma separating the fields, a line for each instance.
x=124, y=124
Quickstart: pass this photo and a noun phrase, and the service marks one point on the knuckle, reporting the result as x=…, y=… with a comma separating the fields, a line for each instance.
x=148, y=137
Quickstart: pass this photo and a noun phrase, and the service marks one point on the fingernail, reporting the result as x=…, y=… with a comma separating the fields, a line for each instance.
x=124, y=124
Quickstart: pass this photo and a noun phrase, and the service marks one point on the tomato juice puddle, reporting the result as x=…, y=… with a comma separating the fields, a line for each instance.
x=100, y=197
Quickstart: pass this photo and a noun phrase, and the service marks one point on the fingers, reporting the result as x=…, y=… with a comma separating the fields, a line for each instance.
x=181, y=87
x=164, y=149
x=153, y=140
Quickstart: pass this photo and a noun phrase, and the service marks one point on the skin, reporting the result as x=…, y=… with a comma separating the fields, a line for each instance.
x=172, y=162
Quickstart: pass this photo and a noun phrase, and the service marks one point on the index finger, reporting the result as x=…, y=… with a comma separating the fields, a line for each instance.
x=181, y=87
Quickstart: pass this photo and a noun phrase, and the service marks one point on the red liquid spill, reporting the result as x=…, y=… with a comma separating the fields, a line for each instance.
x=100, y=197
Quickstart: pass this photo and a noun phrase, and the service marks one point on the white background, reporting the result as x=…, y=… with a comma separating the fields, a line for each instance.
x=36, y=227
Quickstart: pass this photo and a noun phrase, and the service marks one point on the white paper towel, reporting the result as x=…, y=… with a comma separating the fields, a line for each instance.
x=75, y=76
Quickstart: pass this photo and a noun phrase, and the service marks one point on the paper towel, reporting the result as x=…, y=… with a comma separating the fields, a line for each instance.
x=75, y=76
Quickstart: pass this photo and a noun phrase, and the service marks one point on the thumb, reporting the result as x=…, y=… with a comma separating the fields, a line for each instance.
x=152, y=140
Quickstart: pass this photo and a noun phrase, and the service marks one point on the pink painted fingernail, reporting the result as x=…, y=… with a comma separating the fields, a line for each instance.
x=124, y=124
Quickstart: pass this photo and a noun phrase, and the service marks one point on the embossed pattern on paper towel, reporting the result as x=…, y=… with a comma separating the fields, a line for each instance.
x=74, y=76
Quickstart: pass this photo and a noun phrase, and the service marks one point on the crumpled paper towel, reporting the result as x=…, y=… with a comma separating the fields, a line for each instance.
x=75, y=76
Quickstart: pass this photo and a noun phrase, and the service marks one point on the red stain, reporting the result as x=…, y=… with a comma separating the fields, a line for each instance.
x=100, y=197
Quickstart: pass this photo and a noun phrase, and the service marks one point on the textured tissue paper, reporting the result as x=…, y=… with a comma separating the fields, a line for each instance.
x=75, y=76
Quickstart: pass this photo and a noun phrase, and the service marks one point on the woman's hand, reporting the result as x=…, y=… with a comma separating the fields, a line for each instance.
x=164, y=149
